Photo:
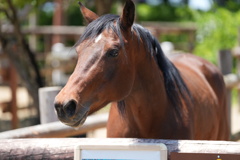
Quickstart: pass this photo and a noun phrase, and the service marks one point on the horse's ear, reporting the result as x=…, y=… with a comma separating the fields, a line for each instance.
x=88, y=15
x=128, y=15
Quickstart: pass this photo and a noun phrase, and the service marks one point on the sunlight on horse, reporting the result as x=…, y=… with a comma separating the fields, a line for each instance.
x=151, y=95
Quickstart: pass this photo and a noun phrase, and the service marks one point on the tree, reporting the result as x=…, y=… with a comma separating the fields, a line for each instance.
x=166, y=1
x=19, y=52
x=221, y=3
x=186, y=2
x=225, y=3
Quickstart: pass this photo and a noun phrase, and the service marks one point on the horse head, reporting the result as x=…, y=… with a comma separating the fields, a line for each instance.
x=105, y=68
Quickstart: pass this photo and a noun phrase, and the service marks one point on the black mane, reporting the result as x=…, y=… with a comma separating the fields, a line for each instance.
x=175, y=87
x=96, y=27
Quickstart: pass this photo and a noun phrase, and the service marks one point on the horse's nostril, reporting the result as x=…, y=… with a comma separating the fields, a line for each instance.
x=70, y=108
x=57, y=107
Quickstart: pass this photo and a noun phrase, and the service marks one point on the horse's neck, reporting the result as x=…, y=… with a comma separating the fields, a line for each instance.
x=148, y=97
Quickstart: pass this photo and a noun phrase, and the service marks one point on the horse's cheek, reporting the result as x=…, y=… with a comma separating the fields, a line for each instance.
x=125, y=83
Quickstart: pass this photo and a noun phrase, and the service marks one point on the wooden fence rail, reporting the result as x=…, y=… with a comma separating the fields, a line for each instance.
x=231, y=80
x=56, y=129
x=64, y=148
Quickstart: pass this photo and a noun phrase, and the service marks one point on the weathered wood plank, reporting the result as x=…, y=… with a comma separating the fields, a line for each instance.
x=231, y=80
x=48, y=30
x=64, y=148
x=225, y=65
x=78, y=30
x=57, y=129
x=46, y=99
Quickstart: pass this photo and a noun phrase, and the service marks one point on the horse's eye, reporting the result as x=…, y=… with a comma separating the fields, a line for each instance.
x=113, y=53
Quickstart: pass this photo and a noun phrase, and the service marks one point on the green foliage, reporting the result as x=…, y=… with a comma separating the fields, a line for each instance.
x=154, y=13
x=44, y=18
x=164, y=12
x=74, y=16
x=185, y=13
x=21, y=3
x=216, y=30
x=232, y=5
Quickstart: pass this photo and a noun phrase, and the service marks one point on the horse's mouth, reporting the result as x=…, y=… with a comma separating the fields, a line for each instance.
x=78, y=123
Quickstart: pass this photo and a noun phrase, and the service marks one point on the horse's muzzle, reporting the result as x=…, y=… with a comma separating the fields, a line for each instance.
x=67, y=113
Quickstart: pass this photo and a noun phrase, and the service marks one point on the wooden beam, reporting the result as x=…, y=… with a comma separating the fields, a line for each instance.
x=64, y=148
x=58, y=18
x=78, y=30
x=225, y=65
x=13, y=85
x=231, y=80
x=48, y=30
x=46, y=103
x=57, y=129
x=235, y=137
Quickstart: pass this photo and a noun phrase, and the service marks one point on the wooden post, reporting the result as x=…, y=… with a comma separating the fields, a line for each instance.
x=46, y=104
x=33, y=38
x=58, y=19
x=238, y=86
x=101, y=6
x=225, y=65
x=191, y=40
x=238, y=36
x=13, y=86
x=238, y=67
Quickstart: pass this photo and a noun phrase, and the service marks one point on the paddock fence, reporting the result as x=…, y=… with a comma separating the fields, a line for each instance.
x=64, y=148
x=52, y=128
x=225, y=56
x=57, y=129
x=46, y=141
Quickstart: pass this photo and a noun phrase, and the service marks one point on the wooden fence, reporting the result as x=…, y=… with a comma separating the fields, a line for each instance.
x=56, y=129
x=157, y=29
x=74, y=32
x=64, y=148
x=225, y=61
x=232, y=80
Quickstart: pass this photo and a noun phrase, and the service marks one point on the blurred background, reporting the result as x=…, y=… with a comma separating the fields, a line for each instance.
x=36, y=39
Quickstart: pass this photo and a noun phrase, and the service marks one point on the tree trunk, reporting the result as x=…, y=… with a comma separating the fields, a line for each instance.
x=21, y=55
x=23, y=68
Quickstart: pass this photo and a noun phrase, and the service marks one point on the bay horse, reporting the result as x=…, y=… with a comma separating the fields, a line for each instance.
x=151, y=95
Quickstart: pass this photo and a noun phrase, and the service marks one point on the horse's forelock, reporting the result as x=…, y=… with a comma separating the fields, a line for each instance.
x=95, y=28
